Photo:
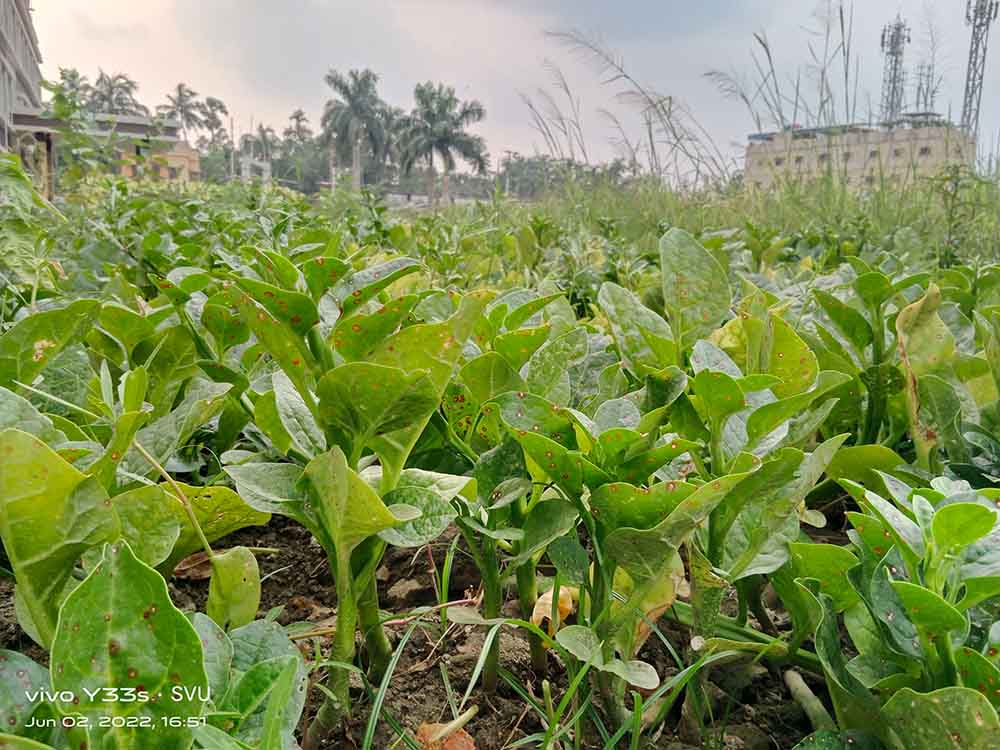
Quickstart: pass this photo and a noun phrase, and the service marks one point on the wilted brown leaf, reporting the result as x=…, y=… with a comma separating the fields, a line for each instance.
x=458, y=740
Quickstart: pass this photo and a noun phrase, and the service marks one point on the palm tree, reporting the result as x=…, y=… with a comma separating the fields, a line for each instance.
x=352, y=118
x=437, y=126
x=298, y=130
x=75, y=86
x=267, y=140
x=183, y=105
x=212, y=111
x=115, y=94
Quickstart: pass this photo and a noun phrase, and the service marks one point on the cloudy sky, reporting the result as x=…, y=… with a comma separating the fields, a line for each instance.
x=266, y=57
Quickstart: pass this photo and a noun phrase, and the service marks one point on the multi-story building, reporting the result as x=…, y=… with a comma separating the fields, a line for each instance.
x=20, y=58
x=919, y=146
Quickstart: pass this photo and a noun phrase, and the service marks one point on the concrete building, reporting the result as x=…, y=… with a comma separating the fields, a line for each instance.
x=919, y=146
x=20, y=74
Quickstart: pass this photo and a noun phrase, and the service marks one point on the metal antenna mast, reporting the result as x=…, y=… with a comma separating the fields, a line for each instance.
x=927, y=88
x=895, y=37
x=980, y=15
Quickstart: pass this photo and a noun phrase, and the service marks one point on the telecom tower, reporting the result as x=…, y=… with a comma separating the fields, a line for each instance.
x=927, y=88
x=980, y=15
x=895, y=37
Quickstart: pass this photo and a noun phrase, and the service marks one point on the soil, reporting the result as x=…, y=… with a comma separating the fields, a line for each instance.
x=751, y=706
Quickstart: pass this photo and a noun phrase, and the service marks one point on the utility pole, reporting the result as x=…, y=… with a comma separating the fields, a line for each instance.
x=980, y=15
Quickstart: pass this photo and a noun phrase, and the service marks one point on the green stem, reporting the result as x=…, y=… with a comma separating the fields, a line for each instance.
x=337, y=702
x=377, y=645
x=492, y=606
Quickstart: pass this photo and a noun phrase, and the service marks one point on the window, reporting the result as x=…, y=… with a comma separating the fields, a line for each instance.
x=870, y=179
x=873, y=154
x=174, y=172
x=824, y=158
x=925, y=150
x=800, y=160
x=779, y=161
x=898, y=153
x=847, y=156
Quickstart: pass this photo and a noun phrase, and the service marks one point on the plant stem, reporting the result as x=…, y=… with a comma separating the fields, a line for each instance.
x=377, y=644
x=492, y=606
x=819, y=717
x=337, y=702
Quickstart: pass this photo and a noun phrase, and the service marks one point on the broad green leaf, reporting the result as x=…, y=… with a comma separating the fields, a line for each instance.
x=149, y=522
x=548, y=370
x=297, y=311
x=219, y=511
x=828, y=739
x=348, y=509
x=646, y=554
x=234, y=590
x=170, y=362
x=925, y=342
x=356, y=337
x=952, y=718
x=353, y=291
x=203, y=402
x=849, y=321
x=517, y=346
x=769, y=417
x=695, y=287
x=19, y=677
x=436, y=513
x=366, y=400
x=828, y=564
x=720, y=395
x=489, y=375
x=939, y=415
x=961, y=524
x=296, y=418
x=33, y=342
x=221, y=316
x=978, y=672
x=570, y=559
x=50, y=514
x=583, y=643
x=790, y=359
x=861, y=464
x=278, y=704
x=625, y=506
x=20, y=413
x=644, y=338
x=546, y=522
x=218, y=652
x=927, y=610
x=268, y=421
x=873, y=287
x=322, y=273
x=119, y=630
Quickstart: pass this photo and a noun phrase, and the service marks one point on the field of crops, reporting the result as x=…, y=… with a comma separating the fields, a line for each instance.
x=278, y=473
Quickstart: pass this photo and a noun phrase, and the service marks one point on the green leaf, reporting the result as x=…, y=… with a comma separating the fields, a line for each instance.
x=695, y=287
x=769, y=417
x=348, y=509
x=570, y=559
x=644, y=339
x=583, y=643
x=952, y=718
x=221, y=317
x=273, y=735
x=489, y=375
x=828, y=564
x=296, y=418
x=149, y=522
x=938, y=418
x=50, y=514
x=234, y=590
x=219, y=511
x=720, y=394
x=20, y=413
x=355, y=290
x=119, y=630
x=548, y=373
x=297, y=311
x=517, y=346
x=849, y=322
x=366, y=400
x=624, y=506
x=546, y=522
x=958, y=525
x=33, y=342
x=356, y=337
x=860, y=463
x=218, y=651
x=19, y=676
x=322, y=273
x=436, y=513
x=928, y=611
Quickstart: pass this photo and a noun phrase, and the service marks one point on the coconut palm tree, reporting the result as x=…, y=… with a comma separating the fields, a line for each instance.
x=352, y=120
x=75, y=86
x=183, y=105
x=115, y=94
x=298, y=130
x=212, y=111
x=437, y=127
